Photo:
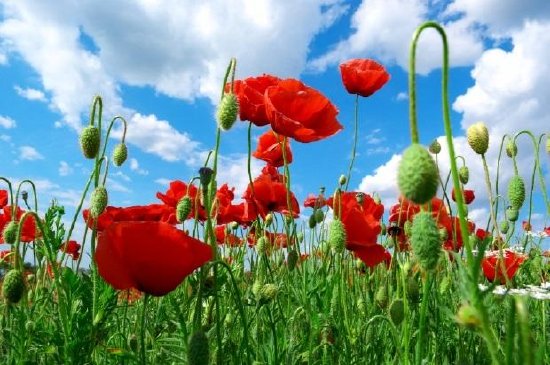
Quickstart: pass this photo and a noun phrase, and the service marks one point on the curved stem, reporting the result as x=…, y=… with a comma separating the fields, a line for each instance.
x=355, y=136
x=33, y=191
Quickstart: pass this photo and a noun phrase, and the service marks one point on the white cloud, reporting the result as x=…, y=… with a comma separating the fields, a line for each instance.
x=402, y=96
x=134, y=166
x=382, y=29
x=123, y=176
x=5, y=138
x=30, y=93
x=163, y=181
x=64, y=169
x=29, y=153
x=116, y=186
x=233, y=170
x=7, y=122
x=383, y=181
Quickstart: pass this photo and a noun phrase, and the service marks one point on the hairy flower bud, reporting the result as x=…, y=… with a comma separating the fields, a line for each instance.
x=464, y=174
x=516, y=192
x=89, y=141
x=435, y=147
x=183, y=209
x=13, y=286
x=120, y=154
x=397, y=311
x=10, y=232
x=425, y=240
x=504, y=226
x=381, y=296
x=98, y=201
x=268, y=292
x=512, y=214
x=417, y=176
x=478, y=137
x=511, y=148
x=337, y=236
x=198, y=352
x=262, y=245
x=228, y=109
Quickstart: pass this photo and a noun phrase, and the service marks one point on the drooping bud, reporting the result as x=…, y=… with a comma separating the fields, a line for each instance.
x=183, y=209
x=10, y=232
x=120, y=154
x=205, y=176
x=89, y=141
x=98, y=201
x=464, y=174
x=397, y=311
x=511, y=148
x=342, y=180
x=417, y=176
x=268, y=219
x=227, y=112
x=337, y=236
x=512, y=214
x=516, y=192
x=13, y=286
x=435, y=147
x=198, y=353
x=504, y=226
x=478, y=137
x=425, y=240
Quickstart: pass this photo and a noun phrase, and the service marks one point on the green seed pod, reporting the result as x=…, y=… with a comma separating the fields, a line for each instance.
x=262, y=245
x=268, y=292
x=435, y=147
x=468, y=316
x=360, y=197
x=417, y=176
x=381, y=296
x=425, y=240
x=228, y=109
x=10, y=232
x=89, y=141
x=397, y=311
x=98, y=201
x=292, y=259
x=198, y=353
x=464, y=174
x=516, y=192
x=13, y=286
x=183, y=209
x=504, y=227
x=312, y=222
x=319, y=215
x=413, y=290
x=511, y=148
x=337, y=236
x=120, y=154
x=512, y=214
x=478, y=137
x=256, y=288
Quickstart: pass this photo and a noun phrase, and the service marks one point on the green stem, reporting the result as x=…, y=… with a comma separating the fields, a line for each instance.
x=419, y=355
x=490, y=193
x=143, y=359
x=355, y=135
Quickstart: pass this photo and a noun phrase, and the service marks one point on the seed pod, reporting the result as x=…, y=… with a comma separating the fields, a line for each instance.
x=10, y=232
x=337, y=236
x=13, y=286
x=199, y=352
x=183, y=209
x=120, y=154
x=417, y=176
x=435, y=147
x=511, y=148
x=516, y=192
x=478, y=137
x=464, y=174
x=98, y=201
x=397, y=311
x=228, y=109
x=89, y=141
x=425, y=240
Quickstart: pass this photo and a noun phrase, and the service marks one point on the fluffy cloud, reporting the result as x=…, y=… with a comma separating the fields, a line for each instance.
x=30, y=93
x=64, y=169
x=134, y=166
x=29, y=153
x=7, y=122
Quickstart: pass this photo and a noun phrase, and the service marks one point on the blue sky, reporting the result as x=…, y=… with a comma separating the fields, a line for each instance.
x=160, y=64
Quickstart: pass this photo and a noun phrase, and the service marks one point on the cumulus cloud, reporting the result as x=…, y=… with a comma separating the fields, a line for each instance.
x=134, y=166
x=65, y=169
x=30, y=93
x=29, y=153
x=7, y=122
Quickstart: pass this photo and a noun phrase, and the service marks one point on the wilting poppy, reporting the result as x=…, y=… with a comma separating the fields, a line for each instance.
x=71, y=248
x=3, y=198
x=250, y=93
x=28, y=233
x=468, y=196
x=270, y=149
x=152, y=257
x=492, y=265
x=300, y=112
x=363, y=76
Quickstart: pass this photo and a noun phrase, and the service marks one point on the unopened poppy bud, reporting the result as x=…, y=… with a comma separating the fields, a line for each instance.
x=292, y=259
x=342, y=180
x=312, y=222
x=205, y=175
x=417, y=176
x=256, y=288
x=337, y=236
x=234, y=225
x=478, y=137
x=435, y=147
x=120, y=154
x=13, y=286
x=268, y=219
x=512, y=214
x=360, y=197
x=511, y=149
x=89, y=141
x=397, y=311
x=504, y=226
x=228, y=109
x=10, y=232
x=24, y=195
x=381, y=296
x=319, y=215
x=183, y=209
x=198, y=351
x=468, y=316
x=262, y=245
x=98, y=201
x=268, y=292
x=413, y=290
x=516, y=192
x=425, y=240
x=464, y=174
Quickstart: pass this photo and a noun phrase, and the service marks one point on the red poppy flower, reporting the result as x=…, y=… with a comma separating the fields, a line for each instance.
x=363, y=77
x=361, y=221
x=250, y=93
x=28, y=233
x=300, y=112
x=71, y=248
x=225, y=238
x=468, y=196
x=225, y=210
x=149, y=213
x=270, y=195
x=373, y=255
x=492, y=265
x=177, y=190
x=3, y=198
x=270, y=149
x=152, y=257
x=315, y=202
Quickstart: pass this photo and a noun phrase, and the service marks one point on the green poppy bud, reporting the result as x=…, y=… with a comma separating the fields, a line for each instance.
x=417, y=175
x=268, y=219
x=268, y=292
x=198, y=353
x=381, y=296
x=183, y=209
x=337, y=236
x=89, y=141
x=262, y=245
x=512, y=214
x=13, y=286
x=464, y=174
x=98, y=201
x=435, y=147
x=468, y=316
x=516, y=192
x=342, y=180
x=312, y=221
x=511, y=149
x=425, y=240
x=319, y=215
x=228, y=109
x=504, y=226
x=397, y=311
x=478, y=137
x=10, y=232
x=120, y=154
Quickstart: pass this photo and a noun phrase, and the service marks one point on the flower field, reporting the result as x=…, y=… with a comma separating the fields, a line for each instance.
x=203, y=276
